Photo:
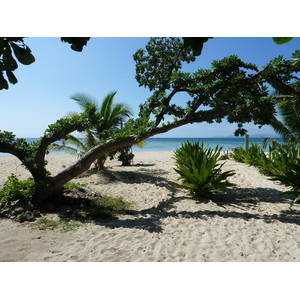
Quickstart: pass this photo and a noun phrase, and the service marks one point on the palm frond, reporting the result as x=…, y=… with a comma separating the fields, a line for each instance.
x=107, y=103
x=72, y=115
x=111, y=116
x=63, y=149
x=268, y=141
x=118, y=115
x=90, y=139
x=289, y=127
x=281, y=129
x=84, y=99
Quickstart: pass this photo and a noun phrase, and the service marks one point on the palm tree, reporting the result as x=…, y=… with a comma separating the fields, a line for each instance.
x=289, y=125
x=112, y=115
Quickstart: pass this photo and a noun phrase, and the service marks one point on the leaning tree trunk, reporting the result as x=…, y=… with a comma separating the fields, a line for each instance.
x=49, y=189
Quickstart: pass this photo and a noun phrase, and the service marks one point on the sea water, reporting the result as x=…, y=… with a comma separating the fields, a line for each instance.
x=171, y=144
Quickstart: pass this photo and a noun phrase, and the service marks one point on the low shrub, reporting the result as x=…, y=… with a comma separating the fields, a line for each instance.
x=239, y=154
x=282, y=163
x=254, y=156
x=16, y=202
x=199, y=170
x=15, y=189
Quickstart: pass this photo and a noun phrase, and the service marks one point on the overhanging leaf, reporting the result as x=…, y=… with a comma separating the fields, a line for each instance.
x=196, y=43
x=282, y=40
x=23, y=55
x=3, y=82
x=8, y=60
x=11, y=77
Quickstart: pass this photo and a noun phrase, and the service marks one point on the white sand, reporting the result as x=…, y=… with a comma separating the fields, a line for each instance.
x=255, y=223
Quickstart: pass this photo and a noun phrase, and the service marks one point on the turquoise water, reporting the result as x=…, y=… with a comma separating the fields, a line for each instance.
x=171, y=144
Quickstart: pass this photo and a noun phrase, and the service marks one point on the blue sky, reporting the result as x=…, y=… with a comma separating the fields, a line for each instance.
x=43, y=92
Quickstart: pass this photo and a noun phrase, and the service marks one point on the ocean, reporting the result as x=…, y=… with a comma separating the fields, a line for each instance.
x=171, y=144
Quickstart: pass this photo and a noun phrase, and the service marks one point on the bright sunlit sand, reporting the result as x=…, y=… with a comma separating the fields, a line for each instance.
x=255, y=222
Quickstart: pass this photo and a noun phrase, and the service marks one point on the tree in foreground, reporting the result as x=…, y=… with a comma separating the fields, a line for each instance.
x=231, y=89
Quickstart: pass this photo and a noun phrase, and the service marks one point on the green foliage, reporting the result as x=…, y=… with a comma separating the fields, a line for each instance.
x=102, y=207
x=199, y=170
x=156, y=64
x=80, y=122
x=22, y=54
x=282, y=40
x=21, y=192
x=63, y=225
x=17, y=143
x=8, y=62
x=255, y=155
x=196, y=44
x=105, y=120
x=239, y=154
x=15, y=189
x=72, y=145
x=282, y=163
x=77, y=43
x=288, y=125
x=74, y=185
x=231, y=89
x=125, y=156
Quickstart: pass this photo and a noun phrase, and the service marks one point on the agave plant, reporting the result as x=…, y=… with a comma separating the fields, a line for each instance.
x=254, y=156
x=284, y=162
x=199, y=170
x=239, y=154
x=284, y=166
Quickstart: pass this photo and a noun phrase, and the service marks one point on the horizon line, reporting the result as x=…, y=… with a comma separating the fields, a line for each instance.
x=190, y=137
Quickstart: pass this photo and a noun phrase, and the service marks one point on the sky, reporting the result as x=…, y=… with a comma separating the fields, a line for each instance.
x=42, y=94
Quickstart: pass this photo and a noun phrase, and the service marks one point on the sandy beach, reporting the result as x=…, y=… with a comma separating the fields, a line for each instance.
x=250, y=222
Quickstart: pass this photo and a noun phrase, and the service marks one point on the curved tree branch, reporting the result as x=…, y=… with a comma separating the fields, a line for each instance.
x=10, y=148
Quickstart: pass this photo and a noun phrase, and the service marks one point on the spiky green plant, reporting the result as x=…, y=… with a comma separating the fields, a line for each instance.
x=199, y=170
x=284, y=159
x=284, y=166
x=254, y=156
x=239, y=154
x=282, y=163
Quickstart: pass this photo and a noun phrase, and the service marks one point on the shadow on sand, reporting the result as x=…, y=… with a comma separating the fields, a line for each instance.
x=150, y=219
